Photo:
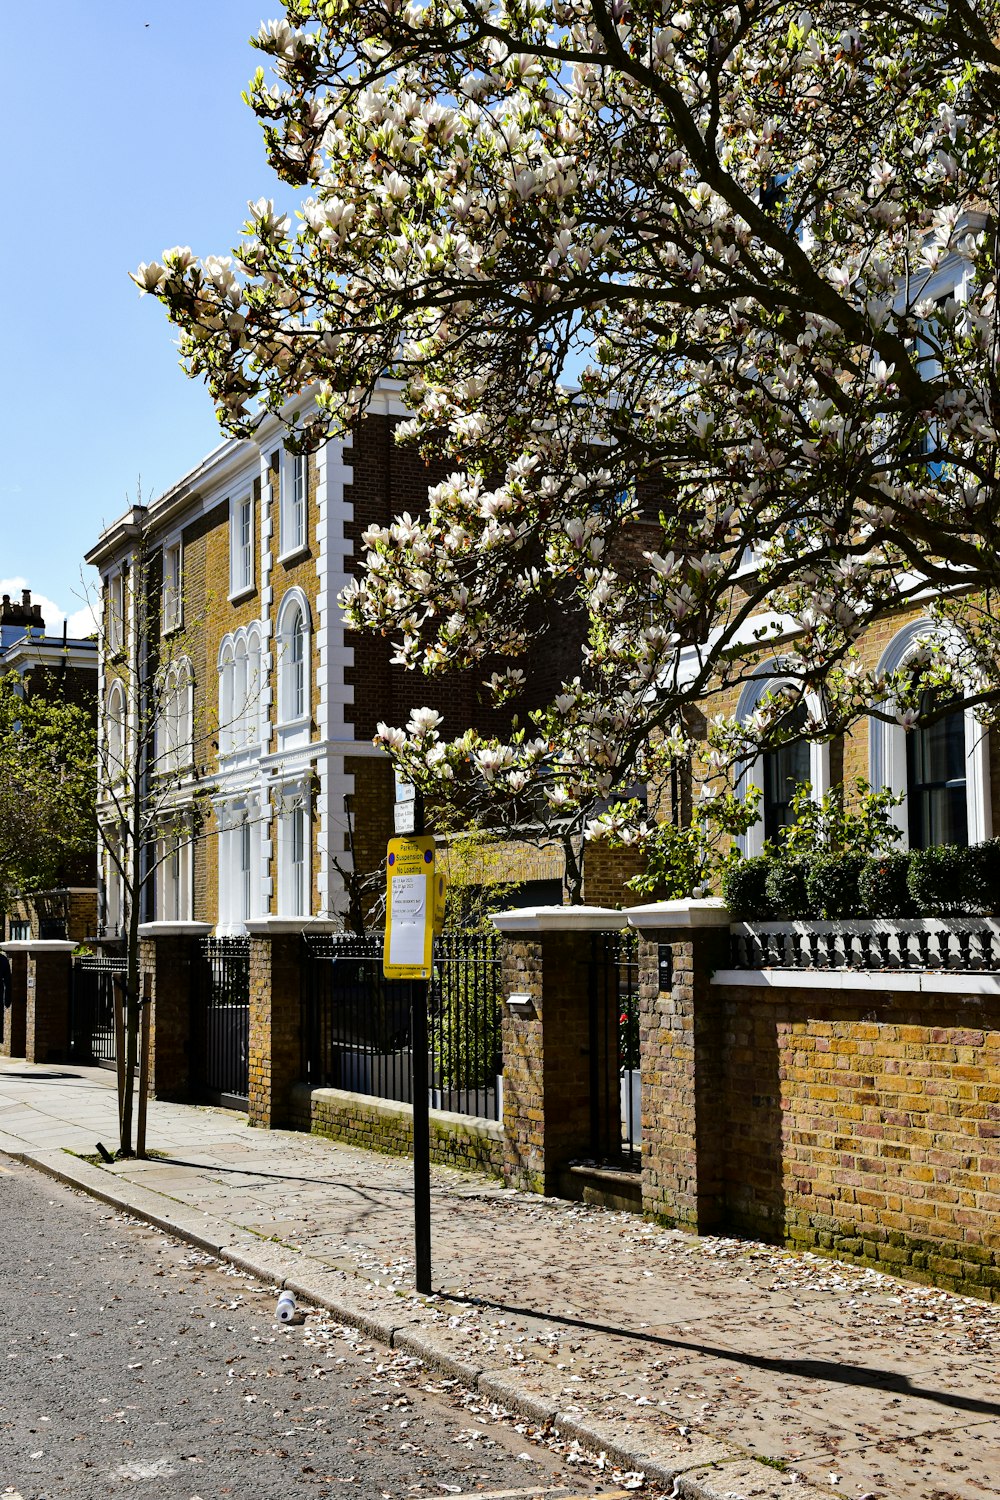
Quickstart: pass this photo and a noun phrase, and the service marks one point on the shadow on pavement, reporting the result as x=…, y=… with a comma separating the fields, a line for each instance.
x=37, y=1077
x=812, y=1369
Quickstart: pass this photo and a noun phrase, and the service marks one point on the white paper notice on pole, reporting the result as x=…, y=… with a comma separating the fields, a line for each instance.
x=408, y=919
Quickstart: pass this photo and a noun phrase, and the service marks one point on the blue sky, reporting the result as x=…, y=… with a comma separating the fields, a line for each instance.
x=125, y=134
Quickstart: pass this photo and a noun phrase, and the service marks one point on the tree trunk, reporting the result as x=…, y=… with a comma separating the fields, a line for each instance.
x=131, y=1040
x=574, y=868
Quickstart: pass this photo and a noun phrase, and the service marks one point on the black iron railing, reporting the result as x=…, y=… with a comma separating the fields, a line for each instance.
x=962, y=944
x=356, y=1023
x=221, y=1022
x=464, y=1025
x=92, y=1007
x=616, y=1130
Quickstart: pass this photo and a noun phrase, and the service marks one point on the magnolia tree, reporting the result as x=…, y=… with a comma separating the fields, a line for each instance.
x=701, y=306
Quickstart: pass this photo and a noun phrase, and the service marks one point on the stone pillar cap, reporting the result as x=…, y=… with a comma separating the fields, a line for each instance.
x=560, y=919
x=276, y=926
x=174, y=929
x=659, y=915
x=40, y=945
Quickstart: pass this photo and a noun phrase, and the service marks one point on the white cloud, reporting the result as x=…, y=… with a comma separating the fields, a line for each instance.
x=79, y=622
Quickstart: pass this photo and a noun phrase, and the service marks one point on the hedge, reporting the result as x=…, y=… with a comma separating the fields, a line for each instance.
x=944, y=880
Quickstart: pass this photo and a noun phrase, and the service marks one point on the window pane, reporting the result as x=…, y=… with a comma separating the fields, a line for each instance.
x=936, y=783
x=298, y=860
x=298, y=694
x=784, y=769
x=245, y=869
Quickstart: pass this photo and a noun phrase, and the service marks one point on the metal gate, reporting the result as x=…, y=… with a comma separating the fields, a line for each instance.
x=92, y=1007
x=220, y=1024
x=615, y=1124
x=356, y=1023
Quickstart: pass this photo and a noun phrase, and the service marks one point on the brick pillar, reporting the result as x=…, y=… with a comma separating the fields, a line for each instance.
x=277, y=954
x=169, y=954
x=46, y=1024
x=15, y=1015
x=547, y=1094
x=680, y=1042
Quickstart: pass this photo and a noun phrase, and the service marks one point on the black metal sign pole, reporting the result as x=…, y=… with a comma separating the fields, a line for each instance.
x=419, y=1084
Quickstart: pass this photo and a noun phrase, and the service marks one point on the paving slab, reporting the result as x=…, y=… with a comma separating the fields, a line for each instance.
x=725, y=1367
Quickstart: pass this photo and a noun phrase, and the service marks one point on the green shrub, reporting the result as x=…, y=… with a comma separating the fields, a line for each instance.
x=744, y=888
x=982, y=884
x=832, y=885
x=785, y=888
x=944, y=880
x=882, y=887
x=938, y=880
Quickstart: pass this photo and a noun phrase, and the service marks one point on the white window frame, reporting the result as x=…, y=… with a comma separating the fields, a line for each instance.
x=114, y=890
x=244, y=854
x=242, y=546
x=295, y=851
x=887, y=747
x=240, y=700
x=115, y=733
x=294, y=505
x=227, y=661
x=240, y=690
x=175, y=727
x=239, y=865
x=769, y=678
x=173, y=585
x=175, y=876
x=116, y=613
x=255, y=686
x=294, y=673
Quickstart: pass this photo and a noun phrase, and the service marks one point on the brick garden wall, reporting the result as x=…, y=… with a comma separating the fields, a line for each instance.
x=383, y=1125
x=867, y=1124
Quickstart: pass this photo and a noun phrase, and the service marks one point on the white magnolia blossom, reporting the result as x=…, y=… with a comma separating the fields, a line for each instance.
x=699, y=308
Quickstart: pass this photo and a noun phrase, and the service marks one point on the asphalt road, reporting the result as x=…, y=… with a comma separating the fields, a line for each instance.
x=134, y=1364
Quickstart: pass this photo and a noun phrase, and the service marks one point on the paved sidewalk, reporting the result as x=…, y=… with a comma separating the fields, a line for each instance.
x=740, y=1370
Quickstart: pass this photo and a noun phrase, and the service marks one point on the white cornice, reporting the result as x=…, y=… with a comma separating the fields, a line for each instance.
x=201, y=487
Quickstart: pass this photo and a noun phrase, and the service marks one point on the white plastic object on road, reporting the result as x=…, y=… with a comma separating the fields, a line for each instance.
x=286, y=1307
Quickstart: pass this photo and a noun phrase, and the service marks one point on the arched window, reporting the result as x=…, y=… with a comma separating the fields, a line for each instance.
x=296, y=666
x=778, y=772
x=240, y=705
x=115, y=732
x=293, y=666
x=175, y=728
x=943, y=768
x=253, y=734
x=226, y=697
x=240, y=690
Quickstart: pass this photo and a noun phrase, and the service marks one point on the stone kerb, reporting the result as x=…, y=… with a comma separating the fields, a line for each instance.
x=15, y=1015
x=47, y=978
x=277, y=956
x=548, y=1099
x=682, y=942
x=169, y=953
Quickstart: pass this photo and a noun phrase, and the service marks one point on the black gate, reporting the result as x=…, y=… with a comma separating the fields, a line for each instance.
x=615, y=1124
x=220, y=1025
x=92, y=1007
x=356, y=1023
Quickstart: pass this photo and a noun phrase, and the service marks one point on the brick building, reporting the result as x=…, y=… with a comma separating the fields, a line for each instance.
x=275, y=800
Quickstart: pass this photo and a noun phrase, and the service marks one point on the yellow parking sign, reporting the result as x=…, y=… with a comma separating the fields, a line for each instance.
x=409, y=908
